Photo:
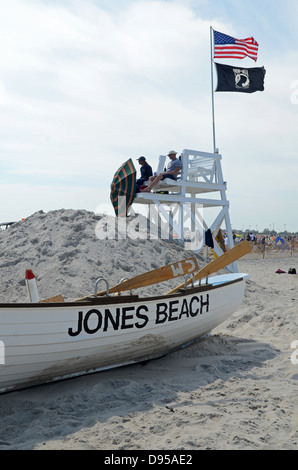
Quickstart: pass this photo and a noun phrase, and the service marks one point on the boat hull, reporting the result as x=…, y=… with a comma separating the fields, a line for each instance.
x=41, y=343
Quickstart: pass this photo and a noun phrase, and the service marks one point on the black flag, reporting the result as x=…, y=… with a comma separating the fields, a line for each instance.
x=240, y=79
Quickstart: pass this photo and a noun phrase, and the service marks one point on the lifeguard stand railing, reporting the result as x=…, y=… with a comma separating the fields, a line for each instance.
x=198, y=197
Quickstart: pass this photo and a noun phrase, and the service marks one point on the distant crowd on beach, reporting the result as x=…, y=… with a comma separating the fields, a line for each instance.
x=262, y=241
x=269, y=239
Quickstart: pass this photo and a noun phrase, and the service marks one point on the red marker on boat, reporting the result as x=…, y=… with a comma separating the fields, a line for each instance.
x=31, y=286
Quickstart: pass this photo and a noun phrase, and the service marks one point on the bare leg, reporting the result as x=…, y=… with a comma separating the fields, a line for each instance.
x=153, y=182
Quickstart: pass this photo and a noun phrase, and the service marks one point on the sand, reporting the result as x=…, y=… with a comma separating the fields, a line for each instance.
x=234, y=390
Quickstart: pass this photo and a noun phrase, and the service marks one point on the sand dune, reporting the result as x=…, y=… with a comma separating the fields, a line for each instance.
x=236, y=389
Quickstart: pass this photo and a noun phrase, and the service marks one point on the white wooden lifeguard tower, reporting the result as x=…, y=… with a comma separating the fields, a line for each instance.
x=185, y=200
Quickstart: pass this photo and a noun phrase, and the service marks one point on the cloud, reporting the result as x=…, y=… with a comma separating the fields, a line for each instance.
x=85, y=85
x=87, y=78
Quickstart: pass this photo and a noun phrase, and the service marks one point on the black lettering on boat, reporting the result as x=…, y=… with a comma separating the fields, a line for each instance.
x=204, y=304
x=109, y=317
x=161, y=313
x=184, y=309
x=192, y=306
x=142, y=316
x=98, y=317
x=79, y=329
x=126, y=317
x=172, y=310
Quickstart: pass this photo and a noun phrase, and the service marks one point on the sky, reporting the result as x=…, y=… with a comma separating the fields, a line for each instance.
x=87, y=84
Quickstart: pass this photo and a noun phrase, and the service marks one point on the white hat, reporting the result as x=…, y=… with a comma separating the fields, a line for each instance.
x=172, y=152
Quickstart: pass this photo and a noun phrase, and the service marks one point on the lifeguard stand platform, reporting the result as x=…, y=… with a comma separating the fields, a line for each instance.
x=198, y=197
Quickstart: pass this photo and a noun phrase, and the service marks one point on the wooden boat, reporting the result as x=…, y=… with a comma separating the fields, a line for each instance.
x=44, y=342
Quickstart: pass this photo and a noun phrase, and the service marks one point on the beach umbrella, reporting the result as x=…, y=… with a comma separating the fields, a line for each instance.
x=123, y=188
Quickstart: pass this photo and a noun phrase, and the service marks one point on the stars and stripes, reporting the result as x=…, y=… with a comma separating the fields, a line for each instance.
x=228, y=47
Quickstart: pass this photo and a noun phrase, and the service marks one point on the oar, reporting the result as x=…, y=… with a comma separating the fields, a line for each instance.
x=56, y=298
x=171, y=271
x=224, y=260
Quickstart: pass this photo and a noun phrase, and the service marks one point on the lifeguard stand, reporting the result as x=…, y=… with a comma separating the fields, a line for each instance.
x=177, y=202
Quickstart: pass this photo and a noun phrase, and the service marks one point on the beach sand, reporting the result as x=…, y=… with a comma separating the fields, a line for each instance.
x=236, y=389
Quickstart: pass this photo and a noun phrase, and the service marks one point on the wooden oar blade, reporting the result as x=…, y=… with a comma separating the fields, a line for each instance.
x=227, y=258
x=56, y=299
x=165, y=273
x=180, y=268
x=224, y=260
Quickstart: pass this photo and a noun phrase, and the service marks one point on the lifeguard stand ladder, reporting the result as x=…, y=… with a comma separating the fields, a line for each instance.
x=177, y=202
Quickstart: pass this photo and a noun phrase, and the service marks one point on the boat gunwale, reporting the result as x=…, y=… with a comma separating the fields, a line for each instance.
x=109, y=300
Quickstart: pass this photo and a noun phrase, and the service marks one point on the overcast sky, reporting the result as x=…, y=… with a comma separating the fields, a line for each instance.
x=87, y=84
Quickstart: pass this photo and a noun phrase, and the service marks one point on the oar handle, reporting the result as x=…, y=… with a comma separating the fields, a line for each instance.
x=224, y=260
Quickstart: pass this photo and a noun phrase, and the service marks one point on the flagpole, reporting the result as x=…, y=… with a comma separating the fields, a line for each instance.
x=212, y=88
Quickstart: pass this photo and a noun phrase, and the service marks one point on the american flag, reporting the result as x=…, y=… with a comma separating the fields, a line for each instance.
x=228, y=47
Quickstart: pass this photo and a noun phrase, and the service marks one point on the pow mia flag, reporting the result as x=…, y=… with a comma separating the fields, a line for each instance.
x=240, y=79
